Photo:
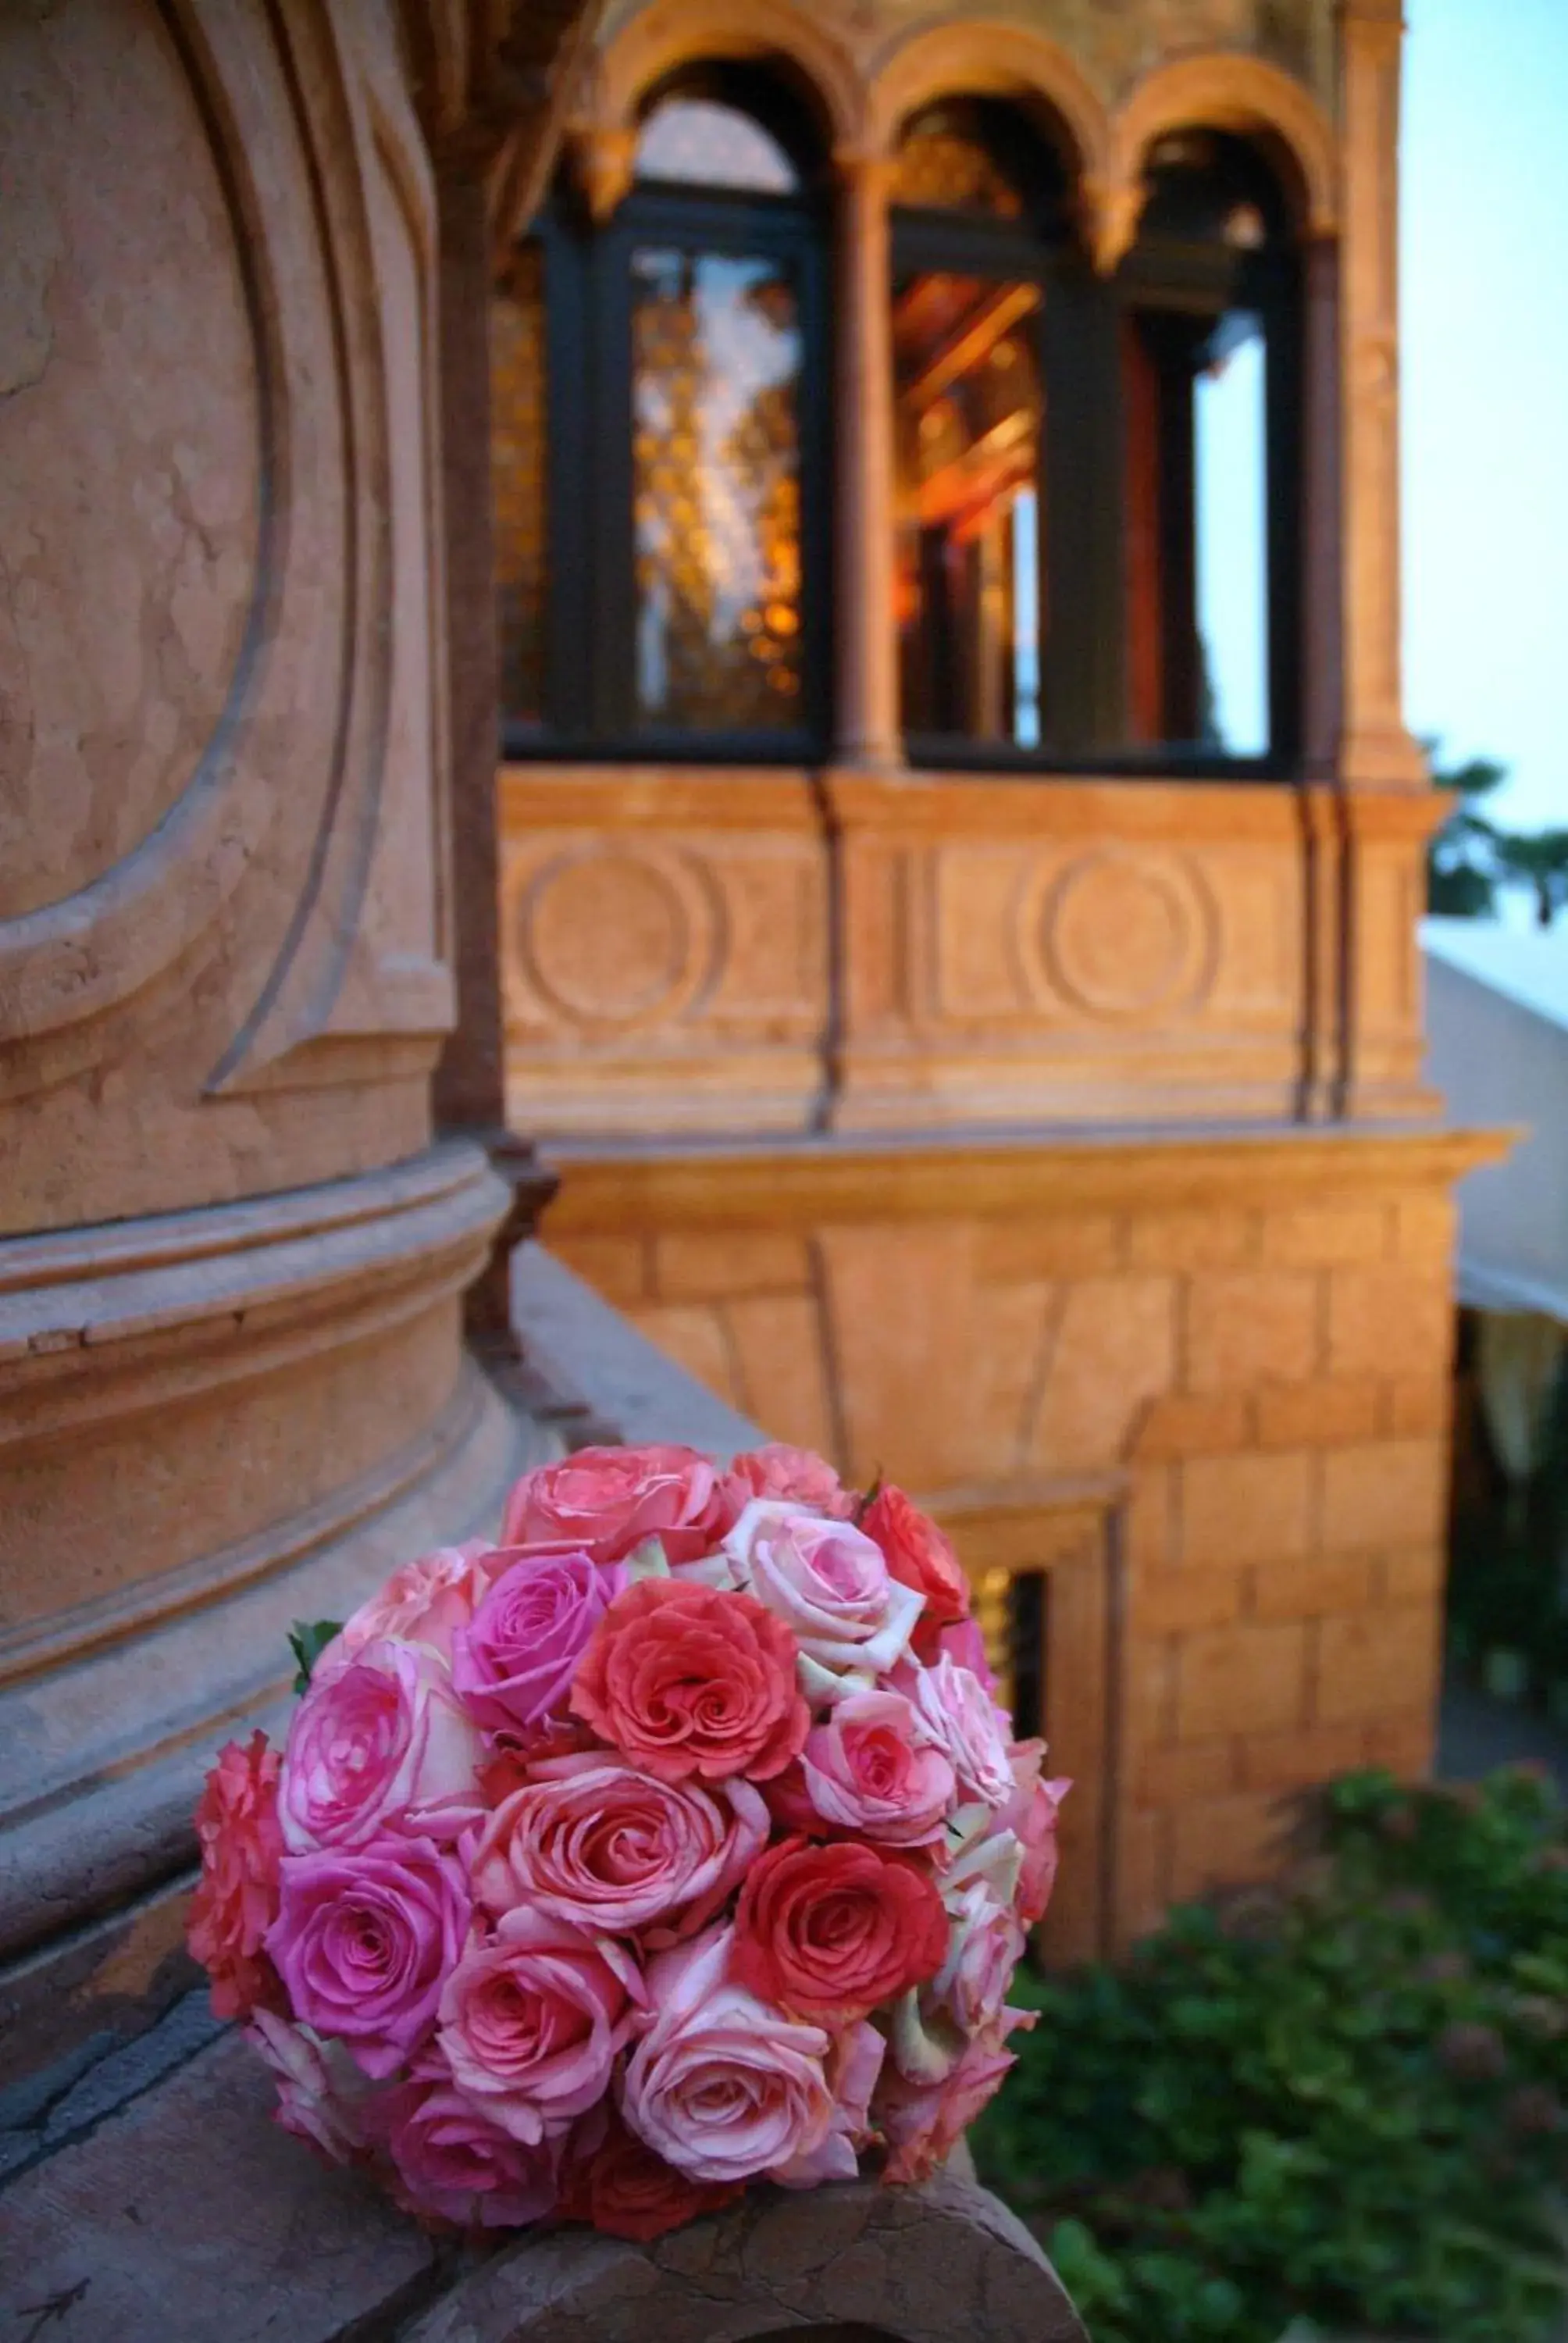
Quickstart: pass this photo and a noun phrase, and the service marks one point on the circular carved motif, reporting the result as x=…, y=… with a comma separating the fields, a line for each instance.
x=613, y=937
x=1123, y=935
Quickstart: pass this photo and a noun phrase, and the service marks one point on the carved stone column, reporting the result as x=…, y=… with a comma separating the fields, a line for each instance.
x=867, y=730
x=233, y=1389
x=1377, y=749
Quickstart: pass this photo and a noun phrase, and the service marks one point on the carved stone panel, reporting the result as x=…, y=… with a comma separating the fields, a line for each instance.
x=663, y=951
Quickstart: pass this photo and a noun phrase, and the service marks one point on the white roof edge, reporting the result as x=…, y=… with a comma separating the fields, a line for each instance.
x=1527, y=967
x=1482, y=1286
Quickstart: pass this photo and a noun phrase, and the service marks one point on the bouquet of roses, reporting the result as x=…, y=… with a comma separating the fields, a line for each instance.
x=674, y=1843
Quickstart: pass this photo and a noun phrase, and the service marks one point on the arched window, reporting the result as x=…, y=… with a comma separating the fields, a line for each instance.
x=1209, y=363
x=682, y=524
x=979, y=236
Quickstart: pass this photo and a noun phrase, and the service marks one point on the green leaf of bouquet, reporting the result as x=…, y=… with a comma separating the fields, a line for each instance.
x=307, y=1639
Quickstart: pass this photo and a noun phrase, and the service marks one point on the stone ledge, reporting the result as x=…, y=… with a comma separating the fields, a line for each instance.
x=188, y=2217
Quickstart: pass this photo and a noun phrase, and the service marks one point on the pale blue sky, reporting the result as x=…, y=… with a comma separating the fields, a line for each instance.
x=1485, y=302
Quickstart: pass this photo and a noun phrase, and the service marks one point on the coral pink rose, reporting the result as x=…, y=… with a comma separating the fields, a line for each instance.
x=609, y=1500
x=832, y=1589
x=378, y=1742
x=872, y=1767
x=514, y=1663
x=363, y=1939
x=322, y=2098
x=236, y=1901
x=683, y=1680
x=720, y=2086
x=924, y=2124
x=619, y=2184
x=597, y=1842
x=919, y=1556
x=424, y=1601
x=793, y=1476
x=453, y=2164
x=532, y=2021
x=854, y=2065
x=961, y=1717
x=828, y=1931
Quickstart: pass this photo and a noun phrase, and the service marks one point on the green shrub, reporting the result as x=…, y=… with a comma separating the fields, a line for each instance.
x=1339, y=2103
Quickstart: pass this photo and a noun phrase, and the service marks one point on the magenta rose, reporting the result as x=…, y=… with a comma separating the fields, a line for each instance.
x=609, y=1500
x=595, y=1842
x=514, y=1663
x=961, y=1717
x=378, y=1742
x=833, y=1590
x=363, y=1939
x=531, y=2022
x=720, y=2086
x=424, y=1601
x=453, y=2164
x=872, y=1767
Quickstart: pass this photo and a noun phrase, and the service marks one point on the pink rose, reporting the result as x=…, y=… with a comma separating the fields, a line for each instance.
x=424, y=1601
x=608, y=1500
x=832, y=1589
x=235, y=1900
x=854, y=2067
x=720, y=2086
x=873, y=1769
x=363, y=1940
x=1031, y=1814
x=792, y=1476
x=966, y=1646
x=378, y=1742
x=932, y=2028
x=594, y=1841
x=322, y=2097
x=924, y=2124
x=961, y=1717
x=514, y=1664
x=453, y=2164
x=532, y=2021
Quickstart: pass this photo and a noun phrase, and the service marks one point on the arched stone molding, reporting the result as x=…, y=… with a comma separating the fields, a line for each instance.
x=1222, y=93
x=982, y=60
x=674, y=33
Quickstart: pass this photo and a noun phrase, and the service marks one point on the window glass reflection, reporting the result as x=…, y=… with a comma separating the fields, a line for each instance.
x=1196, y=531
x=716, y=357
x=701, y=143
x=1230, y=500
x=517, y=446
x=947, y=162
x=969, y=411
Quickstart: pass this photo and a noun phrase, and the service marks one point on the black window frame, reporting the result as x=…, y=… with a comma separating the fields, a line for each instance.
x=590, y=688
x=589, y=693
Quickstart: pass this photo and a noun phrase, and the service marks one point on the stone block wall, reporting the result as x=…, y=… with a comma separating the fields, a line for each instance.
x=1241, y=1344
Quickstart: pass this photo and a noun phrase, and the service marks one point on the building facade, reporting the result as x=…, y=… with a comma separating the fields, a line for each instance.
x=960, y=847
